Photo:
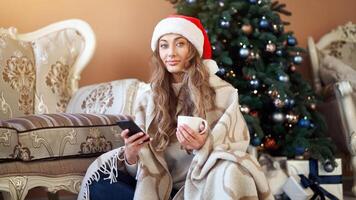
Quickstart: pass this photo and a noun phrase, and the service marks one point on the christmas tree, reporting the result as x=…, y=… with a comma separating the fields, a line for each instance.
x=259, y=58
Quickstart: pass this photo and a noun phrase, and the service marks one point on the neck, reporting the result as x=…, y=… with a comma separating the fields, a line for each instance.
x=177, y=77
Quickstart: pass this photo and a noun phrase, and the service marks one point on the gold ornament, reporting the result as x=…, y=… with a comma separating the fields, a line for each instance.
x=247, y=29
x=273, y=93
x=231, y=73
x=292, y=118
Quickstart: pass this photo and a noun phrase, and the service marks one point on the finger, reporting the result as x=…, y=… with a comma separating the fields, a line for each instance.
x=134, y=137
x=200, y=141
x=178, y=136
x=186, y=137
x=187, y=128
x=141, y=140
x=124, y=133
x=181, y=140
x=188, y=132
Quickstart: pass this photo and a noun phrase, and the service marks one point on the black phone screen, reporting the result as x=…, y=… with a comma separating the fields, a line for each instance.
x=129, y=124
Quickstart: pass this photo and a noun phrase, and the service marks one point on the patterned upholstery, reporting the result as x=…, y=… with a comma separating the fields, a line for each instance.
x=17, y=76
x=55, y=55
x=343, y=50
x=39, y=72
x=61, y=135
x=106, y=98
x=8, y=141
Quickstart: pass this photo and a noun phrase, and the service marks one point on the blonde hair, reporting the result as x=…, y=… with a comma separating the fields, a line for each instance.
x=199, y=96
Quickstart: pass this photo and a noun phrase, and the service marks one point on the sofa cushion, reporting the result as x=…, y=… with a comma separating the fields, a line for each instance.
x=55, y=54
x=17, y=75
x=8, y=141
x=105, y=98
x=63, y=135
x=62, y=167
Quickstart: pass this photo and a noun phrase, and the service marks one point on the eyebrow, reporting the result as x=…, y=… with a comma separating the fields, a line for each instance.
x=177, y=38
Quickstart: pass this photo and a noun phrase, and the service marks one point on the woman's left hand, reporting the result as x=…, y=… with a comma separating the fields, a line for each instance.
x=189, y=139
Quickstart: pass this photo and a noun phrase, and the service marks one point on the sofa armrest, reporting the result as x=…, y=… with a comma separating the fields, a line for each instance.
x=314, y=55
x=346, y=101
x=60, y=135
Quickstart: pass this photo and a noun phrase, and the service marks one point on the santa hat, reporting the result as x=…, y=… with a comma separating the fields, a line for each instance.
x=192, y=29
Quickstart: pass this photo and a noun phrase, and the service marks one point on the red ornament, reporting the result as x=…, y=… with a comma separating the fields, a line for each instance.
x=270, y=143
x=247, y=77
x=254, y=113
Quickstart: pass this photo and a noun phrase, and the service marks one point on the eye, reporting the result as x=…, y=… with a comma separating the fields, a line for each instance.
x=163, y=46
x=180, y=44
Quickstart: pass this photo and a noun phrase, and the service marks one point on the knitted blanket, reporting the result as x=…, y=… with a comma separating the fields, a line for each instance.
x=221, y=169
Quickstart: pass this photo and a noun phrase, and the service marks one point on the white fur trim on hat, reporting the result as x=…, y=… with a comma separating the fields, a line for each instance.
x=179, y=26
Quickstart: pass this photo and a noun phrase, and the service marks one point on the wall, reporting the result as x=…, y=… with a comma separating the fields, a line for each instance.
x=123, y=28
x=315, y=18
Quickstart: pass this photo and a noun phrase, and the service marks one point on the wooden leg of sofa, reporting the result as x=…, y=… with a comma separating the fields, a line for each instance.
x=15, y=188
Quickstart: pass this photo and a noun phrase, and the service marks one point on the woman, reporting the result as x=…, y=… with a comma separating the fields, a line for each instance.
x=178, y=162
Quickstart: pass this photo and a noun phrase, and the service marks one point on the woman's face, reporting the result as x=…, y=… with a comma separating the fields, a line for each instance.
x=173, y=51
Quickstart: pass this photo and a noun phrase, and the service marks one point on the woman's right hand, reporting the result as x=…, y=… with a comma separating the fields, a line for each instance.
x=133, y=144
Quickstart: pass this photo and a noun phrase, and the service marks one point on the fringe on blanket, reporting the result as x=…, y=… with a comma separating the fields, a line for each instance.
x=106, y=164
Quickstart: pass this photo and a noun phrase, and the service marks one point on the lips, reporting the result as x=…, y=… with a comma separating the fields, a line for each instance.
x=172, y=62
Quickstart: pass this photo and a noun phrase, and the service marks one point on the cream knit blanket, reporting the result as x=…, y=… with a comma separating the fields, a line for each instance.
x=221, y=169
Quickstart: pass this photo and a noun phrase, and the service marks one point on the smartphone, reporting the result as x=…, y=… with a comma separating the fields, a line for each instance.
x=131, y=125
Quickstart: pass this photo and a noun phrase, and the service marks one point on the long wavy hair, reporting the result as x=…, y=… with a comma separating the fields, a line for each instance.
x=198, y=95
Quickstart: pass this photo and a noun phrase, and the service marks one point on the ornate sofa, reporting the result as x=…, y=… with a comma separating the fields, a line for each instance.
x=333, y=61
x=51, y=130
x=42, y=143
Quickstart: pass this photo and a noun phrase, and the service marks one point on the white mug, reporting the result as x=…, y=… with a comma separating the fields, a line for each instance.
x=192, y=122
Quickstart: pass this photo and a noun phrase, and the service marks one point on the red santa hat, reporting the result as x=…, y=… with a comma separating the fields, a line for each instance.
x=189, y=27
x=192, y=29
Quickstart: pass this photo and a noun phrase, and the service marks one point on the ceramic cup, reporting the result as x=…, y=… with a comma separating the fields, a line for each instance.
x=192, y=122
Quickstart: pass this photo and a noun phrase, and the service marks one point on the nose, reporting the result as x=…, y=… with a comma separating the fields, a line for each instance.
x=171, y=51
